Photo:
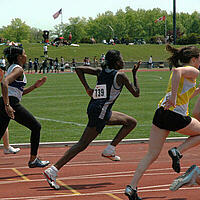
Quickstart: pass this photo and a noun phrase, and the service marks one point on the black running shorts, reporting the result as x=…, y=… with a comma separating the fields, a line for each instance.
x=169, y=120
x=93, y=112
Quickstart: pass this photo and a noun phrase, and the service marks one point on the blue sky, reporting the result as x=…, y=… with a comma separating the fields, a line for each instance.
x=38, y=13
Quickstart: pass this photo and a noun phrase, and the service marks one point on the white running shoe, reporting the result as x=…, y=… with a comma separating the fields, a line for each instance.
x=11, y=150
x=188, y=178
x=110, y=155
x=51, y=175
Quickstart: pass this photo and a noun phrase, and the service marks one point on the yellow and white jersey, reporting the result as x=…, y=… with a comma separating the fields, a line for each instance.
x=185, y=90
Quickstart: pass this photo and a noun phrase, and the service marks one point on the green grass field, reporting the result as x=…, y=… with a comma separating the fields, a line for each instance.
x=60, y=106
x=129, y=52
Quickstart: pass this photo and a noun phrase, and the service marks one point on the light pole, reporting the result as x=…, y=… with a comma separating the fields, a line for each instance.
x=174, y=21
x=111, y=30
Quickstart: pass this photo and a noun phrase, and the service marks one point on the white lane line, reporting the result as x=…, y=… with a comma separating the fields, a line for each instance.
x=154, y=188
x=119, y=191
x=82, y=95
x=77, y=124
x=59, y=121
x=101, y=175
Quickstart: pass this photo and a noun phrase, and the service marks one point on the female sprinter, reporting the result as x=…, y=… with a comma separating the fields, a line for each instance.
x=109, y=86
x=172, y=114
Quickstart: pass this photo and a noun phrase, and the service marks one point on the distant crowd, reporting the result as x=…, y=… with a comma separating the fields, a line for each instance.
x=54, y=65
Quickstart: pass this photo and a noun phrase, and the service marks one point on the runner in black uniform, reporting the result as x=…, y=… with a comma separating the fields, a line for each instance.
x=109, y=85
x=10, y=108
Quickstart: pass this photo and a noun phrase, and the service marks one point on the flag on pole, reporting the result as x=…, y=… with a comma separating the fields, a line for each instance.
x=56, y=15
x=160, y=19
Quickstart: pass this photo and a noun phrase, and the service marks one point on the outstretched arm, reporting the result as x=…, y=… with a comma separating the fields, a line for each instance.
x=81, y=71
x=37, y=84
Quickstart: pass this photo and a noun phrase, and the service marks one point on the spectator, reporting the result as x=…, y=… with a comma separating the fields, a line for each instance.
x=111, y=41
x=56, y=65
x=102, y=58
x=93, y=41
x=95, y=61
x=45, y=50
x=51, y=65
x=86, y=61
x=47, y=67
x=36, y=65
x=72, y=68
x=73, y=62
x=70, y=38
x=150, y=62
x=43, y=66
x=30, y=65
x=62, y=62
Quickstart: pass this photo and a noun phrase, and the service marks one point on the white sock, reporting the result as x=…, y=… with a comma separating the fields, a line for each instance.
x=54, y=168
x=110, y=147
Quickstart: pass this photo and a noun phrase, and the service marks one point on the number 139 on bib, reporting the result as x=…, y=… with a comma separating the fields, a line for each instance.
x=100, y=92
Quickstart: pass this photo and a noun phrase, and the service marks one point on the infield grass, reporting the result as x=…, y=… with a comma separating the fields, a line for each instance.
x=129, y=52
x=60, y=106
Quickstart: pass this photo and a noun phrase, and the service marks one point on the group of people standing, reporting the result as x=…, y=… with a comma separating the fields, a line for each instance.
x=46, y=66
x=170, y=115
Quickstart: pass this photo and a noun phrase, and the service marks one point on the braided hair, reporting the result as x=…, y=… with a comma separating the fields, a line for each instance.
x=12, y=53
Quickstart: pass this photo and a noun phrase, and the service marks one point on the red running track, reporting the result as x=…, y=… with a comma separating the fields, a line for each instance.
x=90, y=176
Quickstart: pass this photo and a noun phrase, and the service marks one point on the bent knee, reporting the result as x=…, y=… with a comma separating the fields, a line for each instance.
x=131, y=122
x=37, y=127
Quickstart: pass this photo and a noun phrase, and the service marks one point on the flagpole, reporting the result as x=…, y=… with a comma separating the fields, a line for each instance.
x=62, y=22
x=174, y=22
x=165, y=29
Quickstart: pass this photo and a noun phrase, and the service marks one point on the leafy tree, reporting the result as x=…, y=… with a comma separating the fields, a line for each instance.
x=35, y=35
x=77, y=28
x=59, y=30
x=129, y=24
x=16, y=31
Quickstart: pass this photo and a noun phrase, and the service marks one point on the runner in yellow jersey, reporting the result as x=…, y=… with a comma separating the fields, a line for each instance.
x=172, y=114
x=185, y=90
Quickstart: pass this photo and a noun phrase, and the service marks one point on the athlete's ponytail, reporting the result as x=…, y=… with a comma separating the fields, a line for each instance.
x=182, y=56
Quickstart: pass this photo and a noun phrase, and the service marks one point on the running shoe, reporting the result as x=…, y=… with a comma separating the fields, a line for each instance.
x=38, y=163
x=11, y=150
x=51, y=175
x=110, y=155
x=175, y=156
x=131, y=193
x=188, y=178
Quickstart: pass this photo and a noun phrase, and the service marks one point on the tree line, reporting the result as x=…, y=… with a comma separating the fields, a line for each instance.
x=127, y=25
